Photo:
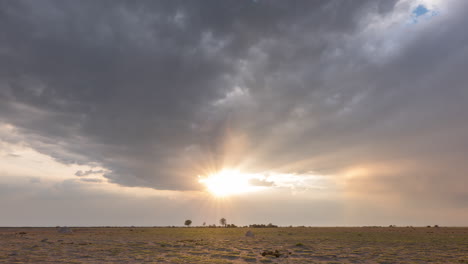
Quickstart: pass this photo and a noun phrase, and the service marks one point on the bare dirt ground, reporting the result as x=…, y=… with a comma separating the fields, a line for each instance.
x=229, y=245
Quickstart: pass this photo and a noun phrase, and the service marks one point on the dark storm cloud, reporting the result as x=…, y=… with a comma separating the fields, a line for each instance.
x=152, y=89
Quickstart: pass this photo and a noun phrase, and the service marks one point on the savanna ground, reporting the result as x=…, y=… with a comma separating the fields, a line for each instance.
x=230, y=245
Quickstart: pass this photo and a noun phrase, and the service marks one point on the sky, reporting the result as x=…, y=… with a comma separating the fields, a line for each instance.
x=316, y=113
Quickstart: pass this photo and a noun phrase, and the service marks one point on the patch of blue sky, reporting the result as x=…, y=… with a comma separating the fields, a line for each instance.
x=421, y=13
x=420, y=10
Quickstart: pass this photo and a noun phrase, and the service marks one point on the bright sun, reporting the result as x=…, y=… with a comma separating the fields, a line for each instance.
x=228, y=182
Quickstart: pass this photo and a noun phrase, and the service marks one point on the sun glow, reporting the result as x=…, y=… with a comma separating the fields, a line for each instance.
x=228, y=182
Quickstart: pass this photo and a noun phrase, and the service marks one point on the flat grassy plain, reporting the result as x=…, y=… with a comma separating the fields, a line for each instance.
x=230, y=245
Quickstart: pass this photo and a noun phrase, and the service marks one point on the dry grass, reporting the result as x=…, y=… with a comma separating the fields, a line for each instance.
x=229, y=245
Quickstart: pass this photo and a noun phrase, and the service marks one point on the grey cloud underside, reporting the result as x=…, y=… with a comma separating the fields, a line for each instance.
x=81, y=173
x=153, y=89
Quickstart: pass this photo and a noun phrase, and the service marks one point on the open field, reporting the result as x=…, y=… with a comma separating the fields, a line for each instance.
x=230, y=245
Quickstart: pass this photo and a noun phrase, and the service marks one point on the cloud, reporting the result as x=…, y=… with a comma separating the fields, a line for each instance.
x=91, y=180
x=261, y=182
x=158, y=93
x=81, y=173
x=35, y=180
x=131, y=86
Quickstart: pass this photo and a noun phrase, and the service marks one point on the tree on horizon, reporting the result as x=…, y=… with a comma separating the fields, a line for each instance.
x=188, y=222
x=223, y=221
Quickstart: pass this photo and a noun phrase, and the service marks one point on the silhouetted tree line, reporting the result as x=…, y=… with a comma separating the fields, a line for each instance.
x=224, y=224
x=270, y=225
x=251, y=226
